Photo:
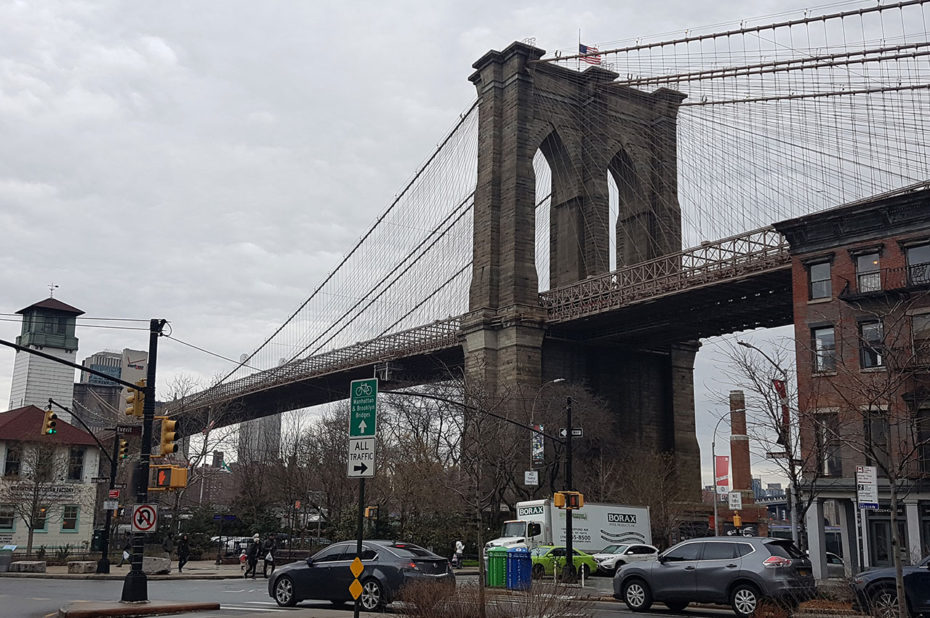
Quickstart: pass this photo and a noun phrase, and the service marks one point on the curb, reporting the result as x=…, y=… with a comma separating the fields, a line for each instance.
x=111, y=576
x=89, y=610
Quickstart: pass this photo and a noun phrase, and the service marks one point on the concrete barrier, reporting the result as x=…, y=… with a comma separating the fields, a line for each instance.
x=82, y=566
x=152, y=565
x=28, y=566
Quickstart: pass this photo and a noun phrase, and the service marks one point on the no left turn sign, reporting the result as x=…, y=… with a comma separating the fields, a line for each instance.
x=144, y=518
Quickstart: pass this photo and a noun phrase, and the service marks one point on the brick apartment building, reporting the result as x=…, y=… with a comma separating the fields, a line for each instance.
x=861, y=281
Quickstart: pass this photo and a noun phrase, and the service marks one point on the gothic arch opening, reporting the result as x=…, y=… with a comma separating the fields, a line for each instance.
x=542, y=220
x=635, y=217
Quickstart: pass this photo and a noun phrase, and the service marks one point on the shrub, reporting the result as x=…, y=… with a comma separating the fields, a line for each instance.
x=62, y=553
x=436, y=600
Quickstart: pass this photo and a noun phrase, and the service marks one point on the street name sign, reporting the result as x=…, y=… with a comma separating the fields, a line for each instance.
x=363, y=408
x=867, y=487
x=144, y=518
x=361, y=457
x=577, y=432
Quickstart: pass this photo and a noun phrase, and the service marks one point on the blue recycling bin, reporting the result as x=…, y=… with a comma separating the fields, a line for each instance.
x=519, y=569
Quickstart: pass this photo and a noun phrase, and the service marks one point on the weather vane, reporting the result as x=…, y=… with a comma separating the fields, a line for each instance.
x=51, y=289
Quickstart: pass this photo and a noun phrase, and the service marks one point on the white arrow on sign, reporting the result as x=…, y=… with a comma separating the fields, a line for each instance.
x=362, y=426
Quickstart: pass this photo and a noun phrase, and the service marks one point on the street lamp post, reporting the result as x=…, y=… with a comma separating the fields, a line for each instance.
x=786, y=439
x=713, y=467
x=568, y=574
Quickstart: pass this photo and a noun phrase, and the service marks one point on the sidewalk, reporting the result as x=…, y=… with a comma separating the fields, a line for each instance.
x=195, y=569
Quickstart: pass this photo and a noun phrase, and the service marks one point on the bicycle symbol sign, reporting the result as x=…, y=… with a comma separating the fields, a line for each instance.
x=363, y=397
x=144, y=518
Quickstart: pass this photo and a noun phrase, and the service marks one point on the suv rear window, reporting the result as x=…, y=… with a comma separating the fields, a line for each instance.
x=784, y=549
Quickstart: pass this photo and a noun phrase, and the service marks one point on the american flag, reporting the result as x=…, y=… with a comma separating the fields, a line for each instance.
x=587, y=49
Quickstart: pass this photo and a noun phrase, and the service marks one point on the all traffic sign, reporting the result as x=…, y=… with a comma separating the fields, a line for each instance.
x=144, y=518
x=363, y=397
x=361, y=457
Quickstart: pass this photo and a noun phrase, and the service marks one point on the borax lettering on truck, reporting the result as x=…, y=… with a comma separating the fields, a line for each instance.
x=530, y=510
x=621, y=518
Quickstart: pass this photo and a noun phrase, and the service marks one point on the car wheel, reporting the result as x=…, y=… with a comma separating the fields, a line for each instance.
x=284, y=592
x=676, y=606
x=636, y=595
x=372, y=595
x=744, y=600
x=538, y=571
x=883, y=603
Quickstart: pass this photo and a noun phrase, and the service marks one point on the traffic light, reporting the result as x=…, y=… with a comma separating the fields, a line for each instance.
x=48, y=425
x=135, y=401
x=123, y=449
x=574, y=500
x=163, y=476
x=170, y=477
x=168, y=436
x=558, y=500
x=371, y=512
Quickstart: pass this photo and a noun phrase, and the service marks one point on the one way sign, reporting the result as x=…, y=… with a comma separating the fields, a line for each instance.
x=361, y=457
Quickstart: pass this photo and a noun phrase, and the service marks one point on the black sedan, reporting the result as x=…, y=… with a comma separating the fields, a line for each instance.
x=875, y=590
x=388, y=566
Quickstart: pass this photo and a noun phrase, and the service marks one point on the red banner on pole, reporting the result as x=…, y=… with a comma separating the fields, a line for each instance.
x=722, y=473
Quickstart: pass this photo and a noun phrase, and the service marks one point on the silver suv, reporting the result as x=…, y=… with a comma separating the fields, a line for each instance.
x=739, y=571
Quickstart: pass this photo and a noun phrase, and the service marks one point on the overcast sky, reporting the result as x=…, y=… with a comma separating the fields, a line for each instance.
x=210, y=162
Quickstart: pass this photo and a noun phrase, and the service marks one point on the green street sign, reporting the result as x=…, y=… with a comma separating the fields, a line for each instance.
x=363, y=396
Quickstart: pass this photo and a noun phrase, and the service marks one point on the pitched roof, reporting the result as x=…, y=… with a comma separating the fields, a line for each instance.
x=25, y=425
x=53, y=304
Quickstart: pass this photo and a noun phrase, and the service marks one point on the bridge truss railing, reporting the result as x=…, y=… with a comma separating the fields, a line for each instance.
x=732, y=257
x=431, y=337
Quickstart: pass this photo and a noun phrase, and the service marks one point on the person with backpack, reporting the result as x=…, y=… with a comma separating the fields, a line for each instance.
x=251, y=556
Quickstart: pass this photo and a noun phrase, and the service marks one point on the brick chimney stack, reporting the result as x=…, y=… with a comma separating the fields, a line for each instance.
x=739, y=447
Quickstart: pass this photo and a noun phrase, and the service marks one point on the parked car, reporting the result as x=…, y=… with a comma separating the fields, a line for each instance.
x=739, y=571
x=547, y=558
x=875, y=590
x=836, y=568
x=388, y=566
x=613, y=556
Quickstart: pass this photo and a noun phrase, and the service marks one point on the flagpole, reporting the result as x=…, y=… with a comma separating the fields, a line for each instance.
x=578, y=58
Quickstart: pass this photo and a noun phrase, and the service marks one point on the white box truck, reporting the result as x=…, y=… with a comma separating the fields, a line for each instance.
x=594, y=526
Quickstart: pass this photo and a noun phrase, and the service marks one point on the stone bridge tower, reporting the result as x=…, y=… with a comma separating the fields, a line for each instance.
x=586, y=127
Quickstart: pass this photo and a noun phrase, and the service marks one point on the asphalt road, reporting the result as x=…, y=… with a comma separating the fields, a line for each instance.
x=22, y=597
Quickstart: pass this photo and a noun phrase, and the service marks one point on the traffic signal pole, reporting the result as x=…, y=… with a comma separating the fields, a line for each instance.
x=568, y=573
x=135, y=586
x=103, y=565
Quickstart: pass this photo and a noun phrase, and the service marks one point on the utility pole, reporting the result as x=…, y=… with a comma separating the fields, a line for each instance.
x=568, y=573
x=135, y=586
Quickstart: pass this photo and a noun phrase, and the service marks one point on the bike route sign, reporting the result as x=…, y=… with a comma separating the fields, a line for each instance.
x=363, y=400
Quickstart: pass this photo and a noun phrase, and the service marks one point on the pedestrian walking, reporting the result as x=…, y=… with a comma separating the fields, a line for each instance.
x=127, y=549
x=458, y=555
x=268, y=549
x=251, y=556
x=184, y=552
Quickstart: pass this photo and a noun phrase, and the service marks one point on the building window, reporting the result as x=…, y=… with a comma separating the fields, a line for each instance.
x=920, y=332
x=876, y=439
x=41, y=519
x=923, y=439
x=868, y=275
x=14, y=455
x=918, y=264
x=7, y=516
x=69, y=519
x=828, y=445
x=824, y=349
x=76, y=463
x=820, y=280
x=871, y=341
